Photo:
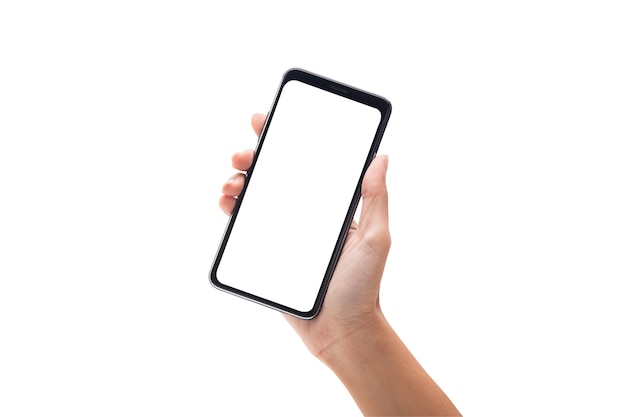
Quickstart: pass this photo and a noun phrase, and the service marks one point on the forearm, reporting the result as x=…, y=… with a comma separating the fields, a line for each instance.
x=382, y=375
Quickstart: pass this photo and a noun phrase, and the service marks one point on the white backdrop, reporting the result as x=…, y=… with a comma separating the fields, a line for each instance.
x=507, y=187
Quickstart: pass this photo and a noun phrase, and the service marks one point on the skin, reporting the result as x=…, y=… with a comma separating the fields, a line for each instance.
x=350, y=334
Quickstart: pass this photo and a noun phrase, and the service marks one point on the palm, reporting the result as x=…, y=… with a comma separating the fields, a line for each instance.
x=352, y=296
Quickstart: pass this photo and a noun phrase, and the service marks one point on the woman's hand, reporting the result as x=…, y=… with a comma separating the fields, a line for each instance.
x=350, y=333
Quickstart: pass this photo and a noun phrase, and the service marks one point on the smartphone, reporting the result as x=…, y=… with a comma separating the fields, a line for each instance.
x=286, y=232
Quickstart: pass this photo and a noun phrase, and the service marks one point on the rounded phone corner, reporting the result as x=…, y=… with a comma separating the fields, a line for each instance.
x=292, y=73
x=305, y=315
x=214, y=280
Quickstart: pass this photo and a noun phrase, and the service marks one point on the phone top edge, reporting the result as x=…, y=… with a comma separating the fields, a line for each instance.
x=337, y=87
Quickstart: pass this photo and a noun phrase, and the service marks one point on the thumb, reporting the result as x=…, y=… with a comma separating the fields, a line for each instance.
x=374, y=220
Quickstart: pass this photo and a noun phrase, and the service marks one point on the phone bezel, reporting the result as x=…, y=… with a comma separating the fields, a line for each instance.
x=333, y=87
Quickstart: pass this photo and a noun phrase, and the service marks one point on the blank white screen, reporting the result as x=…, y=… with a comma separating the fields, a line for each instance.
x=298, y=195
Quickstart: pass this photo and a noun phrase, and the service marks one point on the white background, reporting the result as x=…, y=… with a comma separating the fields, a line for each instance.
x=507, y=190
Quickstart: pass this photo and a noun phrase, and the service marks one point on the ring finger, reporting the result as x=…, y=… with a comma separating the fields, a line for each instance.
x=234, y=185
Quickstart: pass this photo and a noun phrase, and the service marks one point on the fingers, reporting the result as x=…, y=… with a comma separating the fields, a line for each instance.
x=242, y=160
x=374, y=220
x=233, y=186
x=227, y=204
x=258, y=120
x=231, y=189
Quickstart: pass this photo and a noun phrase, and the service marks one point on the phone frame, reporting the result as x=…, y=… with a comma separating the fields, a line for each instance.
x=333, y=87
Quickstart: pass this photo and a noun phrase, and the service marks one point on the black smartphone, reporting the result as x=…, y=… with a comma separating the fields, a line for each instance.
x=286, y=232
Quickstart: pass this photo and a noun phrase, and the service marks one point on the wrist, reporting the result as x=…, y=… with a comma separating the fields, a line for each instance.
x=382, y=375
x=358, y=342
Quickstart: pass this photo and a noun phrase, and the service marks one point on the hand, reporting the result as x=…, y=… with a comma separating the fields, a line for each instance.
x=352, y=300
x=350, y=334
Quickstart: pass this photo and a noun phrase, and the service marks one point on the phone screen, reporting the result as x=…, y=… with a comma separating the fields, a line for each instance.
x=287, y=230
